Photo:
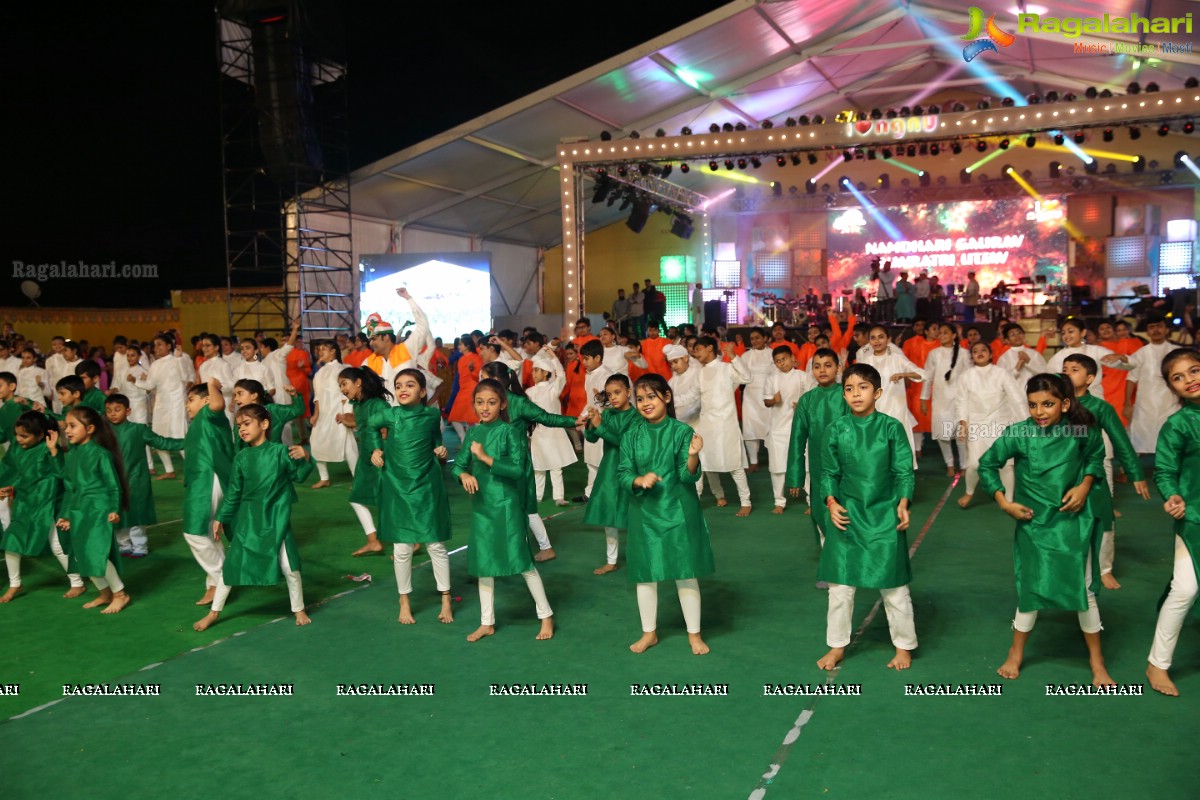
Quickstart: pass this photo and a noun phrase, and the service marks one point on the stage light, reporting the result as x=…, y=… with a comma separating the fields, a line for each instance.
x=1135, y=133
x=1133, y=88
x=956, y=148
x=1070, y=97
x=1108, y=135
x=639, y=216
x=884, y=182
x=605, y=136
x=666, y=172
x=917, y=111
x=1183, y=159
x=1055, y=169
x=1110, y=169
x=1151, y=87
x=781, y=161
x=983, y=105
x=682, y=226
x=1004, y=144
x=1030, y=141
x=812, y=158
x=1166, y=177
x=804, y=119
x=685, y=131
x=935, y=149
x=845, y=183
x=712, y=165
x=1191, y=83
x=891, y=113
x=741, y=126
x=964, y=177
x=714, y=128
x=1033, y=99
x=1091, y=93
x=912, y=151
x=767, y=125
x=818, y=120
x=626, y=200
x=741, y=163
x=634, y=135
x=793, y=190
x=1079, y=137
x=622, y=170
x=905, y=111
x=924, y=178
x=796, y=159
x=754, y=162
x=660, y=133
x=644, y=169
x=728, y=163
x=777, y=188
x=1189, y=127
x=981, y=146
x=924, y=149
x=871, y=155
x=876, y=113
x=810, y=187
x=959, y=107
x=935, y=109
x=684, y=168
x=727, y=127
x=1007, y=102
x=1107, y=93
x=1051, y=97
x=1091, y=167
x=1164, y=129
x=1059, y=139
x=790, y=122
x=604, y=185
x=862, y=115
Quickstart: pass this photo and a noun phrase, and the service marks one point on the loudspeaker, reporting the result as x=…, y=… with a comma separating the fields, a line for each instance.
x=283, y=96
x=714, y=313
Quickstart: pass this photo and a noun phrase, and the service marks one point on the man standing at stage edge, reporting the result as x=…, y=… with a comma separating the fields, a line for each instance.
x=970, y=298
x=698, y=305
x=620, y=312
x=885, y=295
x=655, y=304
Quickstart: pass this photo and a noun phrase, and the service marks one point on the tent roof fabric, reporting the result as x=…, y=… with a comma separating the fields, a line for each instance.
x=494, y=177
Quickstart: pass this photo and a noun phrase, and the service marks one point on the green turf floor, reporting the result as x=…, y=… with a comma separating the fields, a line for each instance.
x=762, y=617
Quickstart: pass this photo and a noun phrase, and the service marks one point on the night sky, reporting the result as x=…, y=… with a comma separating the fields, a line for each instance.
x=113, y=130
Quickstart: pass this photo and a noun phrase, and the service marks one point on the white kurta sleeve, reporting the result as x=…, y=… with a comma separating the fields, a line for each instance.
x=739, y=373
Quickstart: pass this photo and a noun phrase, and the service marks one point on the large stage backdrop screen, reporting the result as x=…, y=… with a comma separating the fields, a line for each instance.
x=1000, y=240
x=453, y=289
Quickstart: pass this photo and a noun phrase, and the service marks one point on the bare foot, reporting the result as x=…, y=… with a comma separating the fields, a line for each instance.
x=406, y=615
x=104, y=598
x=166, y=476
x=119, y=601
x=206, y=621
x=699, y=648
x=446, y=615
x=1107, y=579
x=643, y=644
x=808, y=511
x=547, y=631
x=831, y=659
x=607, y=568
x=744, y=511
x=74, y=591
x=1116, y=513
x=480, y=632
x=1160, y=681
x=752, y=468
x=209, y=593
x=12, y=592
x=949, y=472
x=320, y=485
x=778, y=510
x=903, y=660
x=545, y=555
x=722, y=502
x=371, y=548
x=302, y=619
x=965, y=500
x=1011, y=667
x=416, y=548
x=1100, y=676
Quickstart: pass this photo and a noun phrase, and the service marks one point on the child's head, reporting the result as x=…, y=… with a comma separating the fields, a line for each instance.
x=821, y=341
x=28, y=357
x=1080, y=370
x=862, y=386
x=1051, y=399
x=1072, y=331
x=878, y=337
x=31, y=428
x=410, y=387
x=253, y=422
x=592, y=354
x=1181, y=371
x=8, y=385
x=1121, y=327
x=164, y=343
x=981, y=354
x=677, y=358
x=116, y=408
x=533, y=344
x=361, y=384
x=498, y=370
x=973, y=335
x=82, y=424
x=783, y=358
x=618, y=390
x=607, y=337
x=653, y=397
x=825, y=366
x=89, y=372
x=570, y=353
x=1156, y=328
x=491, y=400
x=705, y=349
x=70, y=389
x=210, y=345
x=1106, y=331
x=248, y=391
x=758, y=338
x=947, y=336
x=70, y=350
x=197, y=398
x=1014, y=335
x=249, y=349
x=132, y=355
x=933, y=332
x=489, y=352
x=57, y=343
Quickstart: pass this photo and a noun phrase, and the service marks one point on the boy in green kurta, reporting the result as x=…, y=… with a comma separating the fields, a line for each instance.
x=1081, y=370
x=491, y=467
x=133, y=439
x=10, y=409
x=206, y=468
x=668, y=537
x=1177, y=475
x=1058, y=455
x=608, y=505
x=867, y=484
x=259, y=502
x=31, y=480
x=88, y=371
x=413, y=507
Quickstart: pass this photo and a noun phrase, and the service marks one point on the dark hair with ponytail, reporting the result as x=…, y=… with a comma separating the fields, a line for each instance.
x=1058, y=387
x=497, y=388
x=104, y=437
x=953, y=359
x=499, y=371
x=372, y=384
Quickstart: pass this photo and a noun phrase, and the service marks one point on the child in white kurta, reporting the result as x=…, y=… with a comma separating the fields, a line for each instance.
x=988, y=402
x=756, y=417
x=550, y=447
x=943, y=367
x=592, y=355
x=330, y=440
x=685, y=389
x=723, y=450
x=32, y=381
x=780, y=395
x=251, y=369
x=1072, y=332
x=167, y=378
x=1155, y=400
x=1020, y=360
x=893, y=368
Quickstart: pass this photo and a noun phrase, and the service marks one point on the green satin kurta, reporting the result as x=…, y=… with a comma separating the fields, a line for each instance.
x=1177, y=471
x=257, y=507
x=1051, y=551
x=36, y=479
x=499, y=525
x=867, y=468
x=10, y=410
x=209, y=452
x=280, y=415
x=92, y=491
x=133, y=439
x=608, y=504
x=521, y=412
x=668, y=537
x=364, y=488
x=94, y=399
x=1100, y=497
x=412, y=501
x=811, y=423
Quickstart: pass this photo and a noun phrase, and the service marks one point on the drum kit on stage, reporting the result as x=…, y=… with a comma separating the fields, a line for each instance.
x=788, y=310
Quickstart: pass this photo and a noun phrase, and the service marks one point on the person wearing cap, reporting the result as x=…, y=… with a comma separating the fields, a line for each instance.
x=388, y=356
x=1155, y=400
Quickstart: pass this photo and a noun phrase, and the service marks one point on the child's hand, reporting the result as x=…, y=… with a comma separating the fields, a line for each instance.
x=838, y=515
x=961, y=432
x=63, y=525
x=1175, y=506
x=289, y=389
x=1017, y=511
x=469, y=483
x=646, y=481
x=403, y=292
x=52, y=441
x=1142, y=489
x=477, y=450
x=696, y=446
x=216, y=530
x=214, y=385
x=38, y=407
x=377, y=458
x=441, y=452
x=902, y=513
x=6, y=491
x=114, y=517
x=794, y=492
x=594, y=417
x=1073, y=500
x=897, y=377
x=924, y=406
x=297, y=452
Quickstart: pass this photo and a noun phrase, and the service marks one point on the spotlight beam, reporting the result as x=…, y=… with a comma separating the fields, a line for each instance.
x=907, y=167
x=1191, y=165
x=1074, y=149
x=1095, y=153
x=1070, y=227
x=828, y=168
x=984, y=160
x=892, y=231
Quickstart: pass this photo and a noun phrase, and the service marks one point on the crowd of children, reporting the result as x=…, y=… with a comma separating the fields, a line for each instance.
x=840, y=416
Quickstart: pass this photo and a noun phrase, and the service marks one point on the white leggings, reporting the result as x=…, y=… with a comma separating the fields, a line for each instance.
x=947, y=446
x=592, y=470
x=556, y=483
x=1180, y=599
x=752, y=447
x=13, y=562
x=611, y=544
x=487, y=597
x=739, y=480
x=168, y=465
x=777, y=479
x=133, y=539
x=975, y=450
x=349, y=455
x=110, y=580
x=209, y=552
x=364, y=518
x=1089, y=621
x=438, y=559
x=689, y=601
x=539, y=531
x=295, y=590
x=1108, y=541
x=897, y=603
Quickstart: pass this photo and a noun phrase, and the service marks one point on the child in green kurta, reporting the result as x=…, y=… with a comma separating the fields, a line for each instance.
x=70, y=392
x=368, y=397
x=609, y=502
x=1081, y=370
x=668, y=538
x=259, y=502
x=133, y=439
x=1058, y=455
x=88, y=371
x=94, y=495
x=248, y=391
x=205, y=476
x=1177, y=474
x=867, y=484
x=10, y=409
x=491, y=467
x=32, y=482
x=413, y=507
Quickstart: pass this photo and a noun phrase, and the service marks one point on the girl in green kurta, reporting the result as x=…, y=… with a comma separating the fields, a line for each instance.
x=133, y=438
x=867, y=483
x=523, y=414
x=668, y=537
x=491, y=467
x=94, y=495
x=1177, y=474
x=368, y=397
x=1081, y=370
x=608, y=504
x=248, y=391
x=32, y=482
x=413, y=507
x=205, y=476
x=259, y=502
x=1058, y=455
